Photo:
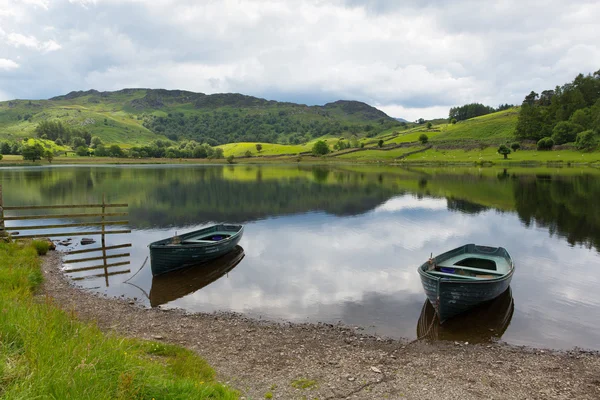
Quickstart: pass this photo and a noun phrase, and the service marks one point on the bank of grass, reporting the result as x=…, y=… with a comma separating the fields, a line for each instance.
x=375, y=155
x=490, y=155
x=46, y=352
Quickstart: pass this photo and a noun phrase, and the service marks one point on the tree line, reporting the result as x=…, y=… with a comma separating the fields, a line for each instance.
x=473, y=110
x=569, y=113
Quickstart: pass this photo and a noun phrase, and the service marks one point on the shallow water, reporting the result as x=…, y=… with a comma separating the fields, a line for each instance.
x=342, y=243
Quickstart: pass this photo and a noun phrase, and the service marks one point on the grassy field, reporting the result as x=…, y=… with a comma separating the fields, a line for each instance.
x=374, y=155
x=490, y=154
x=268, y=149
x=498, y=126
x=45, y=353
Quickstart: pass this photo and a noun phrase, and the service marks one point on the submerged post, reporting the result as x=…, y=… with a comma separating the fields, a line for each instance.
x=104, y=239
x=2, y=230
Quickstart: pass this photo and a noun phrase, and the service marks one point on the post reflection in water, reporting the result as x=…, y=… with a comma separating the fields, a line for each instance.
x=485, y=323
x=174, y=285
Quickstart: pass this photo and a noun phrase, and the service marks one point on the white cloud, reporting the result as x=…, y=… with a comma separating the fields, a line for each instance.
x=6, y=64
x=17, y=40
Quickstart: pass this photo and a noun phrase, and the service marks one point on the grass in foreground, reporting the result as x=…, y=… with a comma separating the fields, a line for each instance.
x=46, y=353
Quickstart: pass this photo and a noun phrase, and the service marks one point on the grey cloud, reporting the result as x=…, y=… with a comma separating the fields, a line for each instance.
x=410, y=54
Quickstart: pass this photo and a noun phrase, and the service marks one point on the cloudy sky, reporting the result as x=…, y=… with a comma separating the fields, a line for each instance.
x=409, y=58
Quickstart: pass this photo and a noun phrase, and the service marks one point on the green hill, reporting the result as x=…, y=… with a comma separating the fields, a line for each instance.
x=138, y=116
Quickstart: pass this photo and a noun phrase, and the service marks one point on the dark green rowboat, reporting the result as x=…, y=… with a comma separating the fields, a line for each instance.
x=460, y=279
x=194, y=247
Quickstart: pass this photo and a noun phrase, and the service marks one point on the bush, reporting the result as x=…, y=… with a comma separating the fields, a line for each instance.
x=258, y=147
x=82, y=151
x=1, y=157
x=380, y=143
x=587, y=140
x=41, y=246
x=515, y=146
x=453, y=121
x=320, y=148
x=545, y=144
x=429, y=125
x=565, y=132
x=230, y=159
x=423, y=138
x=248, y=153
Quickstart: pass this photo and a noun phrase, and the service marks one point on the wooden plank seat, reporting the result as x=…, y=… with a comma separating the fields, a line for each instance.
x=456, y=276
x=480, y=270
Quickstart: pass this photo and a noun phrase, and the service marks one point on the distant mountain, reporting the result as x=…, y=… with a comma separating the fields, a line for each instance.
x=136, y=116
x=400, y=120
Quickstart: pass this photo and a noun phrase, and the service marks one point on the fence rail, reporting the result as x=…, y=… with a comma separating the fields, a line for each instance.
x=14, y=232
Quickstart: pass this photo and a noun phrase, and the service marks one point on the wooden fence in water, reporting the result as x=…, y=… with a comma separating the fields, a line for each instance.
x=82, y=221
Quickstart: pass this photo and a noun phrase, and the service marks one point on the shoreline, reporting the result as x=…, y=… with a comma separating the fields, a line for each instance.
x=324, y=361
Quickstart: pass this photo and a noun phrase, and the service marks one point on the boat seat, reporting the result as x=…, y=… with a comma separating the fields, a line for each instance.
x=483, y=271
x=466, y=277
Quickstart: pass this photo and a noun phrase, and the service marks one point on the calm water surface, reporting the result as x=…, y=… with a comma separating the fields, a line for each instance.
x=343, y=243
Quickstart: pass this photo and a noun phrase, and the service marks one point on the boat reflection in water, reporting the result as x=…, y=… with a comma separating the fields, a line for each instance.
x=484, y=323
x=174, y=285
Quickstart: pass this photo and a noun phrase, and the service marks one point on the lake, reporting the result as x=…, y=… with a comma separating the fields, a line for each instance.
x=342, y=243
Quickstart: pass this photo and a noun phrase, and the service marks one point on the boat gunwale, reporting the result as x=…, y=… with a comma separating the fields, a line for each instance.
x=424, y=273
x=165, y=244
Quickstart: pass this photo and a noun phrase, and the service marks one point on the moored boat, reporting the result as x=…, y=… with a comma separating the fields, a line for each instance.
x=193, y=247
x=462, y=278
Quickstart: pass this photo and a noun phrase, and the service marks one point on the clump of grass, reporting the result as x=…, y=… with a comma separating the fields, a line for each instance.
x=268, y=395
x=303, y=383
x=46, y=353
x=41, y=246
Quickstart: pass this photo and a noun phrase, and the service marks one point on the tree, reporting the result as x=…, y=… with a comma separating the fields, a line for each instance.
x=5, y=148
x=82, y=151
x=33, y=153
x=95, y=142
x=504, y=150
x=230, y=159
x=49, y=156
x=320, y=148
x=423, y=138
x=429, y=125
x=587, y=140
x=565, y=132
x=100, y=151
x=115, y=151
x=545, y=144
x=78, y=142
x=248, y=153
x=420, y=121
x=219, y=153
x=515, y=146
x=380, y=143
x=258, y=147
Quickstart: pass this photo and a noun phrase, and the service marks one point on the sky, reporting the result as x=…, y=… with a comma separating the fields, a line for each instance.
x=411, y=59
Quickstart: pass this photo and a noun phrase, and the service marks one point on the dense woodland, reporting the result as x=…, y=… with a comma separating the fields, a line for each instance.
x=220, y=127
x=473, y=110
x=569, y=113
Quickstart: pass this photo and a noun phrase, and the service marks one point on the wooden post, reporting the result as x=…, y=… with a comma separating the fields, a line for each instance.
x=2, y=230
x=104, y=239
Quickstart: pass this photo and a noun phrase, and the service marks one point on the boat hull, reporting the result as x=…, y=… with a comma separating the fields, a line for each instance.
x=451, y=297
x=165, y=259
